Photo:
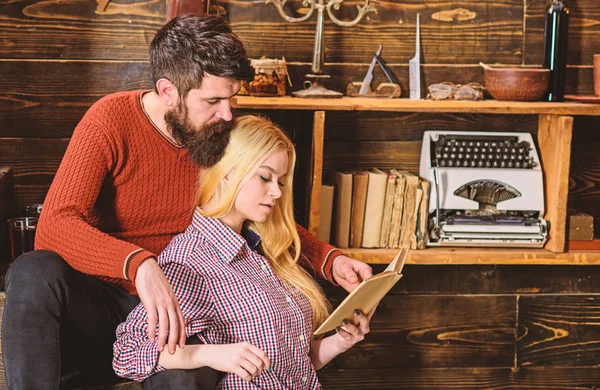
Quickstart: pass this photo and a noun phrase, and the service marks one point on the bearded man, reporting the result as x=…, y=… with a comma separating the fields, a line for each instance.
x=124, y=189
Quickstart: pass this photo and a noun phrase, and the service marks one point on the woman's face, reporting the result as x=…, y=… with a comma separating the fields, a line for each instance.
x=257, y=197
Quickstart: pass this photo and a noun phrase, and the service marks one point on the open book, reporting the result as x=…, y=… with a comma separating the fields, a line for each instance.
x=366, y=295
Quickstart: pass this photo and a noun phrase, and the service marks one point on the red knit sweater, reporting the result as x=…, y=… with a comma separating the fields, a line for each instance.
x=122, y=192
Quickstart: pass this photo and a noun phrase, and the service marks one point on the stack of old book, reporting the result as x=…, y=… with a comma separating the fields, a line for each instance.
x=376, y=209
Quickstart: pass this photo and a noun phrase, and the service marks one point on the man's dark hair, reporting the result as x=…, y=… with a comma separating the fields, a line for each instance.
x=189, y=47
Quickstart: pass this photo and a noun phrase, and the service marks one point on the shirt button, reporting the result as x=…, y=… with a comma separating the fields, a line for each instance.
x=288, y=299
x=304, y=379
x=263, y=267
x=148, y=368
x=301, y=337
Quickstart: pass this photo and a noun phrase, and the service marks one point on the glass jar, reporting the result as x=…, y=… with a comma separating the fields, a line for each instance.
x=270, y=76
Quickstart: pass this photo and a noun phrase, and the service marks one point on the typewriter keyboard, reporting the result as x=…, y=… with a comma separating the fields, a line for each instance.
x=476, y=151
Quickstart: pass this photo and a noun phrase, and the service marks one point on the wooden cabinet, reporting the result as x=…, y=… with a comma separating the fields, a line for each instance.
x=555, y=131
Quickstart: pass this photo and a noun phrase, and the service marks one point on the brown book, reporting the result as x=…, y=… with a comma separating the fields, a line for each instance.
x=324, y=231
x=342, y=208
x=366, y=295
x=414, y=221
x=423, y=220
x=360, y=182
x=376, y=191
x=412, y=197
x=397, y=211
x=388, y=204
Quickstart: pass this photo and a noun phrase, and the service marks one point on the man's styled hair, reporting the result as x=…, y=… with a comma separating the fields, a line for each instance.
x=189, y=47
x=252, y=140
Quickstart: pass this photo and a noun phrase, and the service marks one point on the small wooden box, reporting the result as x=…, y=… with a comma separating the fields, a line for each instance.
x=581, y=226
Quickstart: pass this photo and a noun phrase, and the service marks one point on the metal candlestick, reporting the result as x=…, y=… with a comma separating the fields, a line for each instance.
x=313, y=87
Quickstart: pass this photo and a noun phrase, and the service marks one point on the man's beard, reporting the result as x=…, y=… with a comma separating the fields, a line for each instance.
x=206, y=144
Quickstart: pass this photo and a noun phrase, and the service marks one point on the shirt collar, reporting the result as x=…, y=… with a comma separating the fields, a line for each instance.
x=227, y=242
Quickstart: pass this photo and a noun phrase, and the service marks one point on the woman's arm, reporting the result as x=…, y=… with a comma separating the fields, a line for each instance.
x=135, y=355
x=324, y=350
x=242, y=359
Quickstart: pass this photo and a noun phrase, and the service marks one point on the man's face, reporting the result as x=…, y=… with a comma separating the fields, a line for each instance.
x=203, y=120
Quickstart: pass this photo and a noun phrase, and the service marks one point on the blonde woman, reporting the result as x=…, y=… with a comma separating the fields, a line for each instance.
x=236, y=274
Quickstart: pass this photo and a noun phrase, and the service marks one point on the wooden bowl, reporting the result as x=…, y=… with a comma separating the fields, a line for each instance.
x=522, y=84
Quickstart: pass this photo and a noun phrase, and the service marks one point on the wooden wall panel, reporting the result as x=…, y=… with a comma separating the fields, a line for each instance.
x=47, y=99
x=78, y=29
x=457, y=378
x=35, y=162
x=437, y=331
x=558, y=330
x=388, y=126
x=487, y=31
x=489, y=280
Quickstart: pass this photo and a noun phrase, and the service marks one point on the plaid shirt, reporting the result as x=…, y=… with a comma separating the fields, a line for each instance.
x=228, y=293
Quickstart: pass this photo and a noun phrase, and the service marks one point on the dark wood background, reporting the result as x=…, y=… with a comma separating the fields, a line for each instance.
x=443, y=326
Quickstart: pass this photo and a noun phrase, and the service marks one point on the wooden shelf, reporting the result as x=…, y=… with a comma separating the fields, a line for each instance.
x=407, y=105
x=555, y=132
x=463, y=256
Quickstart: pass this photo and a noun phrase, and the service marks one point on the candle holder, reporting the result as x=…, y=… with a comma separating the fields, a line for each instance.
x=313, y=86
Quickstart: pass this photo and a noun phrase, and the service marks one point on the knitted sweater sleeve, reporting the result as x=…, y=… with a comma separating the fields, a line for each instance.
x=65, y=224
x=319, y=254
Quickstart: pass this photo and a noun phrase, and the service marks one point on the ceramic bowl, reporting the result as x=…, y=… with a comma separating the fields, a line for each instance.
x=521, y=84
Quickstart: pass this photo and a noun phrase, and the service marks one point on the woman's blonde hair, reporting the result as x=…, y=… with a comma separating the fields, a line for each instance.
x=251, y=141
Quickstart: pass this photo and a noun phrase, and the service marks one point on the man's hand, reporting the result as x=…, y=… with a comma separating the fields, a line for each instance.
x=349, y=273
x=161, y=304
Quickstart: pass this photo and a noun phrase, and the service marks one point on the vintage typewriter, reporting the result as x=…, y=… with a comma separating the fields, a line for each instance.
x=487, y=189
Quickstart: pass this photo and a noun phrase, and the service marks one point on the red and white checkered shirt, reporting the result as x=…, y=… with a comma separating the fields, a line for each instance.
x=228, y=294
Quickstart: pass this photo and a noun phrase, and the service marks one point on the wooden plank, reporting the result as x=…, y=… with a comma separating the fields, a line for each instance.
x=460, y=378
x=421, y=331
x=473, y=279
x=488, y=31
x=35, y=162
x=79, y=29
x=62, y=92
x=559, y=330
x=403, y=155
x=554, y=138
x=437, y=256
x=317, y=172
x=407, y=105
x=368, y=126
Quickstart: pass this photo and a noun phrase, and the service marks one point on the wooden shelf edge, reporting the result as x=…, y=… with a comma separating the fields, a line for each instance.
x=476, y=256
x=407, y=105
